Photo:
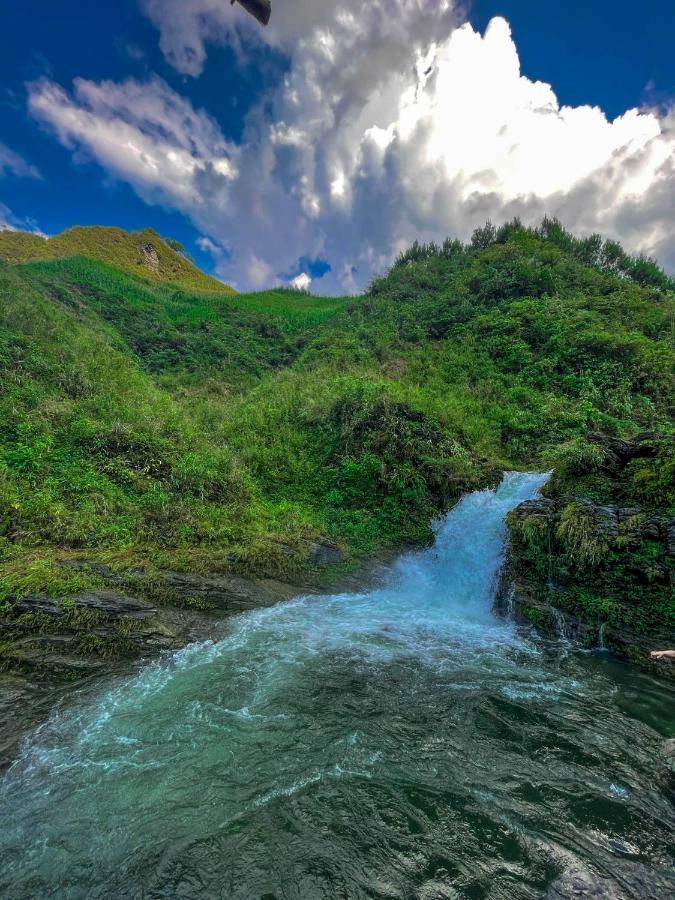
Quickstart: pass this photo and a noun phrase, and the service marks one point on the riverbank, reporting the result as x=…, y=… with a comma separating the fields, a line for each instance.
x=55, y=649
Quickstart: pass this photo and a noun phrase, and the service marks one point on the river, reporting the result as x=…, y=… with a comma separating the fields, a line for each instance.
x=403, y=742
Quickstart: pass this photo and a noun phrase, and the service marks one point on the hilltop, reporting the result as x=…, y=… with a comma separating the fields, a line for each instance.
x=146, y=426
x=144, y=253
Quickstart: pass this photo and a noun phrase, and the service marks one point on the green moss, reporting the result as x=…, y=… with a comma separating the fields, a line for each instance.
x=582, y=540
x=534, y=615
x=577, y=457
x=26, y=574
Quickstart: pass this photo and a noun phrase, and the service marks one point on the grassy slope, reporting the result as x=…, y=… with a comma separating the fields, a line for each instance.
x=115, y=247
x=141, y=423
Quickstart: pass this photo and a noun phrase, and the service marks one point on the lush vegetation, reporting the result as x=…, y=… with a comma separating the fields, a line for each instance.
x=601, y=546
x=142, y=253
x=146, y=423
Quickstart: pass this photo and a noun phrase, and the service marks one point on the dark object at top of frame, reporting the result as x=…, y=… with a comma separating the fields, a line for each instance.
x=259, y=9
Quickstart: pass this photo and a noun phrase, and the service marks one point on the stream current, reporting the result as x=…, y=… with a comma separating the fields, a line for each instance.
x=403, y=742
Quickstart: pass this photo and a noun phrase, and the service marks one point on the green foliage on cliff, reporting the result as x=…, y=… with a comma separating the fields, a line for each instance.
x=151, y=423
x=581, y=540
x=601, y=545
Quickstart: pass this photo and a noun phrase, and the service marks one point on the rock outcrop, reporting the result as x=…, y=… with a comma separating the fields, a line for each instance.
x=55, y=636
x=596, y=565
x=50, y=645
x=149, y=256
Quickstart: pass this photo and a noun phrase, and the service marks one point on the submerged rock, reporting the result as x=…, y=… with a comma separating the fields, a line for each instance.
x=579, y=883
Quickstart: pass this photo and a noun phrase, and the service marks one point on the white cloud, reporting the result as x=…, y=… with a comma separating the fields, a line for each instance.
x=208, y=246
x=301, y=282
x=391, y=123
x=258, y=273
x=10, y=222
x=12, y=163
x=142, y=132
x=6, y=219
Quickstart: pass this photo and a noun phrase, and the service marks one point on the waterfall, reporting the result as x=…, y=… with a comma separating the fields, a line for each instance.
x=560, y=625
x=357, y=744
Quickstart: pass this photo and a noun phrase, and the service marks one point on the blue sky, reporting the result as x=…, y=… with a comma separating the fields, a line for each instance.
x=75, y=38
x=613, y=55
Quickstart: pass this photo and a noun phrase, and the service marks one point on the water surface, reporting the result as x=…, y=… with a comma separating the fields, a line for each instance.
x=399, y=743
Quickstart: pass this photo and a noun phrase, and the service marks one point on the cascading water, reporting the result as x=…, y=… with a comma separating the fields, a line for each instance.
x=403, y=742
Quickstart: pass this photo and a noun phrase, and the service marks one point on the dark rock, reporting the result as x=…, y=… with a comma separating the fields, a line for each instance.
x=541, y=508
x=577, y=882
x=606, y=520
x=670, y=536
x=230, y=593
x=623, y=513
x=107, y=603
x=46, y=656
x=620, y=452
x=321, y=554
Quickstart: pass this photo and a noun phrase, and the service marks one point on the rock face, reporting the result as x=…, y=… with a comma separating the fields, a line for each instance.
x=227, y=593
x=597, y=566
x=50, y=637
x=149, y=257
x=322, y=555
x=618, y=452
x=107, y=603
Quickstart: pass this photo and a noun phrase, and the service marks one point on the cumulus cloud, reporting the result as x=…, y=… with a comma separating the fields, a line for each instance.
x=393, y=121
x=301, y=282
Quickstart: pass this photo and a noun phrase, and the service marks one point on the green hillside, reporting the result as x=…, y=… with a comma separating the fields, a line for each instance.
x=143, y=423
x=142, y=253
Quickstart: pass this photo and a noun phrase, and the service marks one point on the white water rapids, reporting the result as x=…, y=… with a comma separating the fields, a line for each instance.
x=403, y=742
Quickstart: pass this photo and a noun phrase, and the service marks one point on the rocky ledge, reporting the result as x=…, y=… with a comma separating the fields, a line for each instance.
x=50, y=646
x=590, y=562
x=55, y=636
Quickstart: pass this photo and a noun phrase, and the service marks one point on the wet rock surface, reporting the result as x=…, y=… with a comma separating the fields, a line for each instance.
x=593, y=568
x=51, y=647
x=107, y=603
x=228, y=593
x=579, y=883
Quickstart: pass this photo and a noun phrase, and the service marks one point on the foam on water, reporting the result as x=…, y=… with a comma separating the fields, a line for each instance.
x=304, y=732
